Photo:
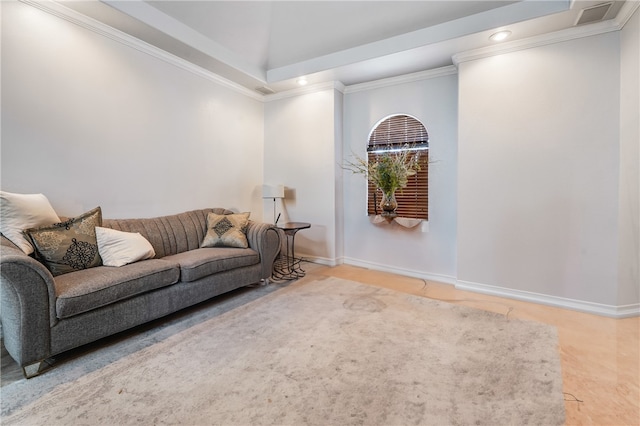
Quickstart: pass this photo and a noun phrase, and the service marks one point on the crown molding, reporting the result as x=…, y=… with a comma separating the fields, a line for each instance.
x=542, y=40
x=60, y=11
x=385, y=82
x=626, y=12
x=334, y=85
x=406, y=78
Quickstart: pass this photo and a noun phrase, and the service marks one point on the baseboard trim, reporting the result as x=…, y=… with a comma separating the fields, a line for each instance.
x=612, y=311
x=441, y=278
x=319, y=260
x=618, y=312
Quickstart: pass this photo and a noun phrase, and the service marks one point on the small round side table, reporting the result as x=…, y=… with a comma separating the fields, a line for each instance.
x=287, y=266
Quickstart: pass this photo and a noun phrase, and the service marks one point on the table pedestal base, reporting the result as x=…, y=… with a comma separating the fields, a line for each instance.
x=288, y=268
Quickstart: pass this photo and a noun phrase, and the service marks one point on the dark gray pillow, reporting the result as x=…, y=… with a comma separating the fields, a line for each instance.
x=68, y=246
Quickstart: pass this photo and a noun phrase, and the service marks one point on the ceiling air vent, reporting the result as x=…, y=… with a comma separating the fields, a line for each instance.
x=265, y=90
x=593, y=14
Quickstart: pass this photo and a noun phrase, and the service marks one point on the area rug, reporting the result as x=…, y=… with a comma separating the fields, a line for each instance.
x=323, y=352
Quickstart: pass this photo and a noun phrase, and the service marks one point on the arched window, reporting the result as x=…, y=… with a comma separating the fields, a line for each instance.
x=402, y=132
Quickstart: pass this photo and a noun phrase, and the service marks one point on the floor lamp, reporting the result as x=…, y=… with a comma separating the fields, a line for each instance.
x=273, y=191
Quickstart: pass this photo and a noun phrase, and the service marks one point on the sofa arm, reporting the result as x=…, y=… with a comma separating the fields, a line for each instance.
x=264, y=238
x=27, y=306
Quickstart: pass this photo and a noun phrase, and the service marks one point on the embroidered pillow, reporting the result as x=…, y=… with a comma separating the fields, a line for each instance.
x=118, y=248
x=22, y=211
x=68, y=246
x=226, y=230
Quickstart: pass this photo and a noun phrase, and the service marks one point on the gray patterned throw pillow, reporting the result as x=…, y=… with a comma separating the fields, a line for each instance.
x=68, y=246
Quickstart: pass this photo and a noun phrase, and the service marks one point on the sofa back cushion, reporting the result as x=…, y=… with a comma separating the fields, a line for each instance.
x=172, y=234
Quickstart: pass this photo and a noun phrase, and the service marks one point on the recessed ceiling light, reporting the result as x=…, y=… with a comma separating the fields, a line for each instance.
x=302, y=81
x=500, y=35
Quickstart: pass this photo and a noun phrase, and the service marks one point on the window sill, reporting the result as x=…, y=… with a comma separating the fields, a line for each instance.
x=402, y=221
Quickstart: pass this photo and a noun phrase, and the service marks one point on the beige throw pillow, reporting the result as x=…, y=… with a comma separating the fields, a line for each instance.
x=228, y=230
x=22, y=211
x=118, y=248
x=68, y=246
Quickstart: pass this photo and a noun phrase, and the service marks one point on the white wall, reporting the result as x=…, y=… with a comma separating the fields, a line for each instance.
x=629, y=214
x=390, y=247
x=538, y=170
x=300, y=153
x=89, y=121
x=535, y=189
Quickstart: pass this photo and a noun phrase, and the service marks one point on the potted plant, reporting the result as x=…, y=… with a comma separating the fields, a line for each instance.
x=389, y=170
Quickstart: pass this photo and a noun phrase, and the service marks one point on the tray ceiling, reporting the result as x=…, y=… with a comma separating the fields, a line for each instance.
x=269, y=44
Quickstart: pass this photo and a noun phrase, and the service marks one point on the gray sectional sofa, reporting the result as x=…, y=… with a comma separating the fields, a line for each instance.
x=43, y=315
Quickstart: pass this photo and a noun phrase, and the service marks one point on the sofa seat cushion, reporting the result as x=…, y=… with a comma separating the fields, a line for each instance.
x=88, y=289
x=199, y=263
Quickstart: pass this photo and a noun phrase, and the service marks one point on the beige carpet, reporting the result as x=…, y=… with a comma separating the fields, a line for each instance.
x=326, y=352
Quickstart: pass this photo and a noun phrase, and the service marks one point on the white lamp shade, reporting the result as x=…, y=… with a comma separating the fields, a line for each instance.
x=272, y=191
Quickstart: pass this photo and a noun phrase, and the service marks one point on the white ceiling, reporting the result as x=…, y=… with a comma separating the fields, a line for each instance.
x=277, y=34
x=272, y=43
